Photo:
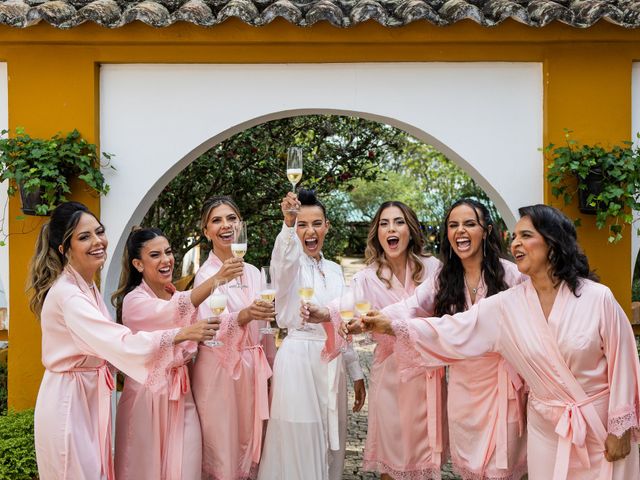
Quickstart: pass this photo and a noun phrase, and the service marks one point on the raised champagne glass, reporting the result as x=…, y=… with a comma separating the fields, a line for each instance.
x=306, y=277
x=363, y=305
x=294, y=168
x=239, y=247
x=267, y=293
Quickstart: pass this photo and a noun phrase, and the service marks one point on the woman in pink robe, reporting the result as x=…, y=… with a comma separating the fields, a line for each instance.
x=568, y=338
x=406, y=432
x=230, y=382
x=79, y=340
x=160, y=426
x=485, y=403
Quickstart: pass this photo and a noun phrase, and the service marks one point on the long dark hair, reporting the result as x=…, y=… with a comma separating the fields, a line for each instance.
x=568, y=261
x=374, y=252
x=130, y=277
x=48, y=262
x=450, y=295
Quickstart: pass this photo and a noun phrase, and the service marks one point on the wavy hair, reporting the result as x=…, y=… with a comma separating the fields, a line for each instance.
x=130, y=277
x=567, y=260
x=213, y=202
x=450, y=295
x=374, y=253
x=48, y=262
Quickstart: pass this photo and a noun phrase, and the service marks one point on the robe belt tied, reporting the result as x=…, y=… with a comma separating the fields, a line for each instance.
x=572, y=430
x=105, y=387
x=333, y=415
x=179, y=386
x=260, y=397
x=509, y=383
x=434, y=411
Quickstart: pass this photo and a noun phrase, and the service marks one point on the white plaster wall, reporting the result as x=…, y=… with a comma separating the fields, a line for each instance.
x=487, y=117
x=635, y=128
x=4, y=207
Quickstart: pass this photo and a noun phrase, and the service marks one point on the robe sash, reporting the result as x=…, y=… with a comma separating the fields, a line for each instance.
x=509, y=383
x=262, y=373
x=179, y=386
x=434, y=411
x=105, y=387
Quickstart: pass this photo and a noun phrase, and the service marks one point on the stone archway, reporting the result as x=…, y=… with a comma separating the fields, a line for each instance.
x=486, y=117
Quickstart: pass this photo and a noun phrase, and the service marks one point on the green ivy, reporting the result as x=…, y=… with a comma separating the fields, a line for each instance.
x=619, y=168
x=47, y=165
x=17, y=447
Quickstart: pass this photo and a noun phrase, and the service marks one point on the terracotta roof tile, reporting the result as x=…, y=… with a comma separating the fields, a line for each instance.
x=341, y=13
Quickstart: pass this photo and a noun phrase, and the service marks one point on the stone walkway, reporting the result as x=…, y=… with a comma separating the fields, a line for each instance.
x=357, y=431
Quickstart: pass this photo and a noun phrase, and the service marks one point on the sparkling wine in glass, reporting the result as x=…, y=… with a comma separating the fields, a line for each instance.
x=294, y=168
x=267, y=293
x=306, y=277
x=363, y=305
x=217, y=303
x=239, y=246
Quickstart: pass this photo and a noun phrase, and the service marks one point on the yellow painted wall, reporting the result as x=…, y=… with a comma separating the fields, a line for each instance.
x=53, y=86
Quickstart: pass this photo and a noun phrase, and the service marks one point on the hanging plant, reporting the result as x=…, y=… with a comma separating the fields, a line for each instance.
x=607, y=181
x=43, y=168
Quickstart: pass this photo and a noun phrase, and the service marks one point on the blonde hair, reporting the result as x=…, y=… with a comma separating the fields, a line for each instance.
x=374, y=253
x=213, y=202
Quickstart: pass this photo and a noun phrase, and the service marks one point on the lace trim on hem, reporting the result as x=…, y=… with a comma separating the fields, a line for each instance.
x=515, y=473
x=426, y=472
x=619, y=423
x=187, y=312
x=162, y=359
x=210, y=474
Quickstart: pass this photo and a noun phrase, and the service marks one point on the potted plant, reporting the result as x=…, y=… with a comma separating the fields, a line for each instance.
x=607, y=181
x=42, y=168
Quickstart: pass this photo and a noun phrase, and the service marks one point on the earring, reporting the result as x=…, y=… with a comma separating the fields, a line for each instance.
x=484, y=247
x=140, y=269
x=450, y=250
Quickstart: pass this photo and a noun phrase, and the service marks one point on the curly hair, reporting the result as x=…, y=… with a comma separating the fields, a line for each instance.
x=450, y=295
x=374, y=253
x=567, y=260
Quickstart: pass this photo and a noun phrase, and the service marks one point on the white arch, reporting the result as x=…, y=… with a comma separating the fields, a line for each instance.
x=486, y=117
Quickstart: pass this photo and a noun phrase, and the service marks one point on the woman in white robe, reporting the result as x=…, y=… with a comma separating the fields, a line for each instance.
x=306, y=434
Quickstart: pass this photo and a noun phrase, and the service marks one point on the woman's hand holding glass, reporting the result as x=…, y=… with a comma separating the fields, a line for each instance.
x=231, y=268
x=313, y=313
x=197, y=332
x=378, y=322
x=257, y=310
x=217, y=302
x=290, y=206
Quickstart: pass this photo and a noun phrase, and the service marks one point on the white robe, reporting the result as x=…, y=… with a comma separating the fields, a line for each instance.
x=306, y=434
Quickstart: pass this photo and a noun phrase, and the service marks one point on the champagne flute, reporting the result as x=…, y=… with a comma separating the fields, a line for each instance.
x=363, y=305
x=239, y=246
x=267, y=293
x=347, y=307
x=294, y=168
x=306, y=277
x=217, y=303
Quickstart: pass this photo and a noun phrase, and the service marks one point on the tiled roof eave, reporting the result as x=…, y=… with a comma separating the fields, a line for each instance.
x=66, y=14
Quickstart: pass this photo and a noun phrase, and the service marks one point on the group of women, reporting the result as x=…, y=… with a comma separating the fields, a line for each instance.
x=543, y=367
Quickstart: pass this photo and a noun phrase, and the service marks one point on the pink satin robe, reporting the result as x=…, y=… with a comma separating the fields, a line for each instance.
x=406, y=432
x=581, y=366
x=73, y=409
x=229, y=383
x=162, y=426
x=486, y=400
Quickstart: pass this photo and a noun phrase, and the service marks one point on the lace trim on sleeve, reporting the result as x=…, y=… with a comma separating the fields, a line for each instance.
x=187, y=313
x=622, y=420
x=162, y=360
x=405, y=349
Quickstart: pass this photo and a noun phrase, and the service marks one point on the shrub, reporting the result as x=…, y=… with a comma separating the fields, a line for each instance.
x=3, y=388
x=17, y=447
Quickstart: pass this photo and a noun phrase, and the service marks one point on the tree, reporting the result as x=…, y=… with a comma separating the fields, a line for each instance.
x=250, y=167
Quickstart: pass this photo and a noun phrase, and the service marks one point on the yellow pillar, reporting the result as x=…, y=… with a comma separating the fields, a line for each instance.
x=50, y=90
x=588, y=90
